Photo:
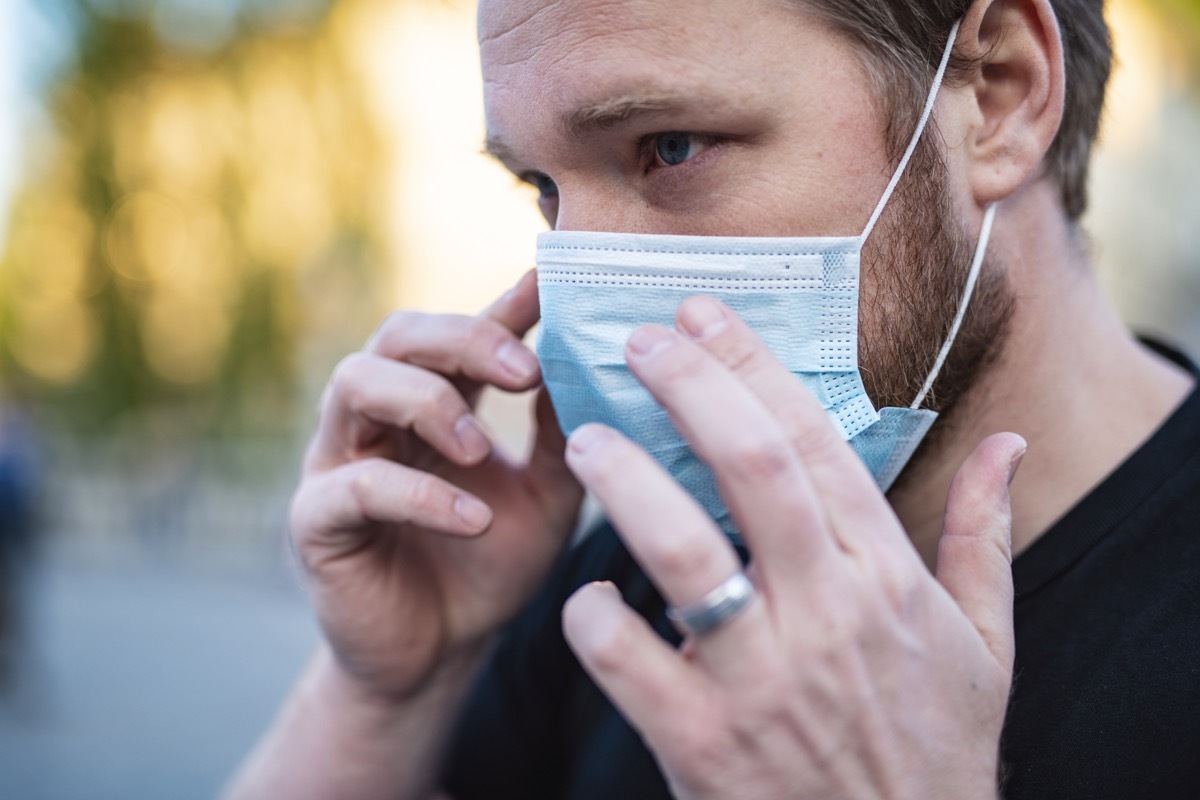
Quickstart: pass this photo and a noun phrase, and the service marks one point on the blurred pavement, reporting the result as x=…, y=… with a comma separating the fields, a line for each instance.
x=148, y=681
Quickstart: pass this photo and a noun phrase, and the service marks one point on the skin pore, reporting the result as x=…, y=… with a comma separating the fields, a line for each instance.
x=788, y=143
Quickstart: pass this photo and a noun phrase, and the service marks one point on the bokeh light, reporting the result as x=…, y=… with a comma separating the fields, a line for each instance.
x=214, y=202
x=199, y=162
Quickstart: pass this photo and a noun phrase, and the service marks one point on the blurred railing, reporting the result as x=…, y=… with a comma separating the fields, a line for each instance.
x=222, y=506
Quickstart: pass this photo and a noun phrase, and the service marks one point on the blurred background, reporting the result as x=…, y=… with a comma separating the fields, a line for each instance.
x=204, y=204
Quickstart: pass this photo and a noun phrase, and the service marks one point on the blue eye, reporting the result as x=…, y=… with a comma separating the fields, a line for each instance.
x=676, y=147
x=546, y=187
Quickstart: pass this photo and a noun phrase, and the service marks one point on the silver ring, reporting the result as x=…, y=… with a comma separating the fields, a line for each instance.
x=717, y=607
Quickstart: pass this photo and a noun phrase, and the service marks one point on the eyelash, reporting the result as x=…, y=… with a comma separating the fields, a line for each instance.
x=647, y=156
x=535, y=179
x=648, y=151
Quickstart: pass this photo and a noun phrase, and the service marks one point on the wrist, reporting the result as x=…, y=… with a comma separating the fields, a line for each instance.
x=337, y=738
x=334, y=686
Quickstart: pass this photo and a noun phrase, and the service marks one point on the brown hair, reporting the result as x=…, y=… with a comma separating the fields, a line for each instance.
x=903, y=41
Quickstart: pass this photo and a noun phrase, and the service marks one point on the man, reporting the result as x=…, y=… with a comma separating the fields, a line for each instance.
x=871, y=652
x=19, y=490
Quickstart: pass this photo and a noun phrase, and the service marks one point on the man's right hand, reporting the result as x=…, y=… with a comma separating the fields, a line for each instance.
x=419, y=538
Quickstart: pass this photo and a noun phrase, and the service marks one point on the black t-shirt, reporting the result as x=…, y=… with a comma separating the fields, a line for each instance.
x=1106, y=697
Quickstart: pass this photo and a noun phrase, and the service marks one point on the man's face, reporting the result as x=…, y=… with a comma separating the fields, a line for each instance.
x=747, y=118
x=782, y=137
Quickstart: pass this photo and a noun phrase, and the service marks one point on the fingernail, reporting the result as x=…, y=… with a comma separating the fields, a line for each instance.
x=517, y=361
x=650, y=339
x=588, y=437
x=474, y=513
x=1016, y=462
x=702, y=317
x=471, y=438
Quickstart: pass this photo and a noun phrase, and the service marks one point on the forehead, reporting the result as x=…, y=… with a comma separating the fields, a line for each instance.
x=511, y=24
x=541, y=58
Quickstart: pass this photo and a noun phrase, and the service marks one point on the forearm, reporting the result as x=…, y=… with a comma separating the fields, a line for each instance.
x=330, y=740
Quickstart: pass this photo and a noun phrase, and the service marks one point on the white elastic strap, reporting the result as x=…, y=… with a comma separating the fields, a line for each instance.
x=985, y=233
x=912, y=145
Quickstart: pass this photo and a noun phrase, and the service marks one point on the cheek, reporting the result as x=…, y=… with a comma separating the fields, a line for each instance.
x=810, y=184
x=771, y=189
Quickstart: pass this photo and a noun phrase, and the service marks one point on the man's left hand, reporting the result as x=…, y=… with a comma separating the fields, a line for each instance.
x=854, y=672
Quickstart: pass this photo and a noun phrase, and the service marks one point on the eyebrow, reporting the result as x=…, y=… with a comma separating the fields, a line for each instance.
x=495, y=147
x=591, y=118
x=606, y=114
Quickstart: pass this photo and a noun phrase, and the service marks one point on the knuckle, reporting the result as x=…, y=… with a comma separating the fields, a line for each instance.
x=704, y=746
x=760, y=460
x=435, y=340
x=684, y=364
x=816, y=439
x=348, y=381
x=677, y=557
x=362, y=486
x=424, y=493
x=898, y=582
x=314, y=460
x=299, y=515
x=738, y=353
x=747, y=728
x=483, y=336
x=303, y=536
x=394, y=325
x=835, y=619
x=438, y=396
x=773, y=715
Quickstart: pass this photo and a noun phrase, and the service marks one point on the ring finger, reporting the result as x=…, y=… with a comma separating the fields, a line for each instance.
x=673, y=539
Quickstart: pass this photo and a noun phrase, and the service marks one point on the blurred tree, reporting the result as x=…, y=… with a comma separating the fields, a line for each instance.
x=209, y=162
x=1183, y=21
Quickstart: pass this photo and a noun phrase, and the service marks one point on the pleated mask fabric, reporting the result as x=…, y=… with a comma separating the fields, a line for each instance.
x=799, y=295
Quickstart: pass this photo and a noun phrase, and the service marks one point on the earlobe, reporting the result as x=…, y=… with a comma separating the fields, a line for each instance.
x=1018, y=94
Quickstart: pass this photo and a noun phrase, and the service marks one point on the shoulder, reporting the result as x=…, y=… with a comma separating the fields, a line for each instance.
x=1106, y=676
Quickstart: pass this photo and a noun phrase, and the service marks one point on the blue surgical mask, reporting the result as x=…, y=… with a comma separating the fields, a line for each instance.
x=799, y=295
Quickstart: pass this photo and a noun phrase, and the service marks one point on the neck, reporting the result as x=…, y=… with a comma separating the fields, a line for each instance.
x=1071, y=380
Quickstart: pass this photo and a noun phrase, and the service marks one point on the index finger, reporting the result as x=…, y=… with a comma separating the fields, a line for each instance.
x=760, y=476
x=485, y=349
x=856, y=508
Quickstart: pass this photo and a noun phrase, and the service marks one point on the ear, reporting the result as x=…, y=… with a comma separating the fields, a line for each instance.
x=1015, y=102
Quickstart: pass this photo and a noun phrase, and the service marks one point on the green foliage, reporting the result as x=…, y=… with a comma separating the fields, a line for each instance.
x=157, y=250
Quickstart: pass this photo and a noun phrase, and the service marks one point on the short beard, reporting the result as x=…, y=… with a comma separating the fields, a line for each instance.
x=914, y=272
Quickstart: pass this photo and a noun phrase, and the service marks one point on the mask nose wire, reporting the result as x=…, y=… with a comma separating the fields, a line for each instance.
x=926, y=113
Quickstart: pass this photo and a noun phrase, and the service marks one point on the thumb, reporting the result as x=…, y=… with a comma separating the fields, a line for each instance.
x=556, y=485
x=517, y=309
x=974, y=561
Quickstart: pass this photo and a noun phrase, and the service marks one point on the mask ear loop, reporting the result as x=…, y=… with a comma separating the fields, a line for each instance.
x=985, y=233
x=912, y=144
